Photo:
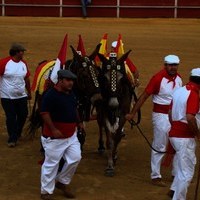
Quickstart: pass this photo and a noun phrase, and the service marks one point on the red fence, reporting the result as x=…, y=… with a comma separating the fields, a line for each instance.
x=103, y=8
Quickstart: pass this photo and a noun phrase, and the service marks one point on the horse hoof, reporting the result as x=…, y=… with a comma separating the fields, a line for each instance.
x=101, y=150
x=109, y=172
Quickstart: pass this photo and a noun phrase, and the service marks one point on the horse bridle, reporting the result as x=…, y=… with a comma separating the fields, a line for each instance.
x=88, y=66
x=88, y=63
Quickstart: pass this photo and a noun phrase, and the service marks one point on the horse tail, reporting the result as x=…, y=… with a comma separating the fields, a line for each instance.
x=35, y=120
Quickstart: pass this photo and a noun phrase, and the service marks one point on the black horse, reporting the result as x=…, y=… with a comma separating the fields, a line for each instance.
x=117, y=96
x=86, y=88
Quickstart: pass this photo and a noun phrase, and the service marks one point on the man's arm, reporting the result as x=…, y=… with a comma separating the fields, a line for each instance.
x=28, y=87
x=47, y=120
x=170, y=116
x=143, y=97
x=193, y=125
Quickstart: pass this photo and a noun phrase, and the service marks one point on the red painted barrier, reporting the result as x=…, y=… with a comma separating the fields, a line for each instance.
x=103, y=8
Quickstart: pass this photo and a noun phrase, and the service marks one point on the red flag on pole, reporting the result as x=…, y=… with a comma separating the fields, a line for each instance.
x=60, y=61
x=41, y=75
x=119, y=48
x=80, y=46
x=103, y=48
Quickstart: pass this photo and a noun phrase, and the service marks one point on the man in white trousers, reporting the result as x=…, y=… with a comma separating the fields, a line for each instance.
x=184, y=130
x=59, y=139
x=161, y=86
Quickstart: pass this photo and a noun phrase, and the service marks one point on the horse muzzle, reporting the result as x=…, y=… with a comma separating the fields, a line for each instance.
x=113, y=102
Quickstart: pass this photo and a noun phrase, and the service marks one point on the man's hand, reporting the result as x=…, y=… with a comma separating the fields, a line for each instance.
x=57, y=134
x=136, y=82
x=129, y=116
x=81, y=126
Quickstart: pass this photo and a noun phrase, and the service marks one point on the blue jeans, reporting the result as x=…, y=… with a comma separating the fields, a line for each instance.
x=84, y=9
x=16, y=111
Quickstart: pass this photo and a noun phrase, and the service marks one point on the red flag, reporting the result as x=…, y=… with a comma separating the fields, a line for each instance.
x=103, y=48
x=60, y=61
x=80, y=46
x=41, y=75
x=119, y=48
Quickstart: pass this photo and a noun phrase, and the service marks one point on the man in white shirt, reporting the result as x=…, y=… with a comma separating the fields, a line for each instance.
x=14, y=91
x=183, y=132
x=161, y=87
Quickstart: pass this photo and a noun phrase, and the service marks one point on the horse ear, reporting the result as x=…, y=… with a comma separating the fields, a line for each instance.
x=123, y=57
x=76, y=55
x=95, y=52
x=102, y=58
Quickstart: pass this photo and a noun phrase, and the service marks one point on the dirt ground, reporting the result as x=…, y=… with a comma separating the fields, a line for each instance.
x=150, y=40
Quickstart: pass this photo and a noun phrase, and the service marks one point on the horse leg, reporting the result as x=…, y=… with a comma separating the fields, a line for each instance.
x=101, y=147
x=109, y=171
x=100, y=122
x=117, y=139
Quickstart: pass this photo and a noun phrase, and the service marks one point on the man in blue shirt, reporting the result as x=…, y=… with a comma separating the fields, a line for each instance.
x=59, y=136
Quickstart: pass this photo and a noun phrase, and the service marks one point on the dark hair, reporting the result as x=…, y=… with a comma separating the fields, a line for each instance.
x=195, y=79
x=13, y=52
x=16, y=48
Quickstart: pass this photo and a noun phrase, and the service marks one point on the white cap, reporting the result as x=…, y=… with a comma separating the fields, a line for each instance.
x=171, y=59
x=114, y=44
x=195, y=72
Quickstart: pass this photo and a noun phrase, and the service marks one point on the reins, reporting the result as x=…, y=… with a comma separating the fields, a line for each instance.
x=139, y=111
x=133, y=123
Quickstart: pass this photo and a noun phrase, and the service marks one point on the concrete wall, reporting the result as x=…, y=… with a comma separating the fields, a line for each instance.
x=103, y=8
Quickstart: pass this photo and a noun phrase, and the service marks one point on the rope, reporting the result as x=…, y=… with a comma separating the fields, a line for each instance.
x=139, y=111
x=133, y=123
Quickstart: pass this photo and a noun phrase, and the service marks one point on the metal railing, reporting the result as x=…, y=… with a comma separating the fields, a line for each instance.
x=118, y=6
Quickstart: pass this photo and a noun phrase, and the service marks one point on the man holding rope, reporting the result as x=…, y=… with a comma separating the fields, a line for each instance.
x=184, y=129
x=161, y=87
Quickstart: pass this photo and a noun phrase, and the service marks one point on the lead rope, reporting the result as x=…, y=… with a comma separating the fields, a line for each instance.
x=133, y=123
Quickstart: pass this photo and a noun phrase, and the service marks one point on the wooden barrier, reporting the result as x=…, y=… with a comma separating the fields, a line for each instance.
x=103, y=8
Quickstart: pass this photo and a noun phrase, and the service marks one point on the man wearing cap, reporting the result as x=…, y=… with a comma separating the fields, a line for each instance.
x=130, y=65
x=14, y=91
x=183, y=132
x=161, y=87
x=59, y=139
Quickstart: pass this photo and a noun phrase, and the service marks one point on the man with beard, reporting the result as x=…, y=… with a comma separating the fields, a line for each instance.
x=59, y=136
x=161, y=86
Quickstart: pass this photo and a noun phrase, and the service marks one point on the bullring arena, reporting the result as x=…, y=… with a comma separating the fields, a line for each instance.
x=150, y=40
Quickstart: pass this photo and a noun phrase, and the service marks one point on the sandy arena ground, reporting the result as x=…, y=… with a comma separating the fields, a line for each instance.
x=150, y=40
